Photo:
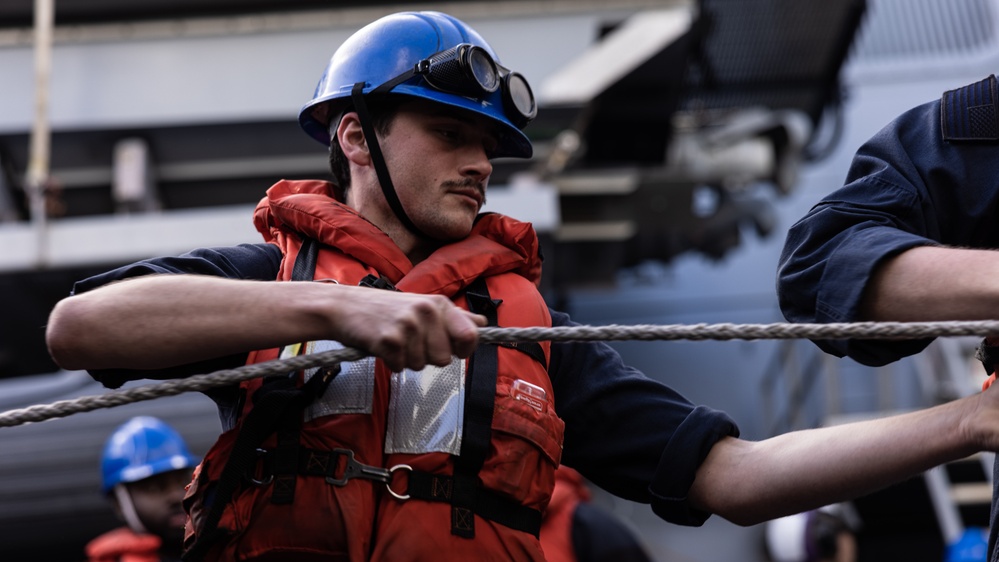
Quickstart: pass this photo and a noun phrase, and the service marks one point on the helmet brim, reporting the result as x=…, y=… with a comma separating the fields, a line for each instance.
x=316, y=115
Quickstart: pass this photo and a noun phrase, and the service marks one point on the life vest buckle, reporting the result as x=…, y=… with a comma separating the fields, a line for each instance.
x=377, y=283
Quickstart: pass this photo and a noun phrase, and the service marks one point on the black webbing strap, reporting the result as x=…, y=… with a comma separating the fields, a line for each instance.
x=375, y=149
x=305, y=262
x=480, y=393
x=285, y=463
x=487, y=504
x=277, y=399
x=310, y=462
x=532, y=349
x=289, y=425
x=337, y=466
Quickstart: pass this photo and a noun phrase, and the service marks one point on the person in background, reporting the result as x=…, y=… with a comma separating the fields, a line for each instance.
x=911, y=236
x=818, y=535
x=576, y=530
x=145, y=466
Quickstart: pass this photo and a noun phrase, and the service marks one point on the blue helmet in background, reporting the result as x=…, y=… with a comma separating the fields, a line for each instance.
x=428, y=55
x=142, y=447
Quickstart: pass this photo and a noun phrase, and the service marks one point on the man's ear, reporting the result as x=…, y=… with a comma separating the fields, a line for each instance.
x=352, y=141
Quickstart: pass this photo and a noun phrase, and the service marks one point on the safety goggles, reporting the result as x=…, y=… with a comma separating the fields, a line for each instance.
x=469, y=70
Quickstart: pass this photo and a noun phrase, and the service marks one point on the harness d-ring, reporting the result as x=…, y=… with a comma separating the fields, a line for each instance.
x=388, y=485
x=256, y=481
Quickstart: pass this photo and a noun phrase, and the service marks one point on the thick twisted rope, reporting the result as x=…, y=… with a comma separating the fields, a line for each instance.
x=697, y=332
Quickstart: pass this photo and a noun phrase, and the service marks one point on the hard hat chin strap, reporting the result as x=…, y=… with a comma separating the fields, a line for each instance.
x=127, y=509
x=364, y=116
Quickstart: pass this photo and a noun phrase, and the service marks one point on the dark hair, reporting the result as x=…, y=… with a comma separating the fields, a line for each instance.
x=383, y=110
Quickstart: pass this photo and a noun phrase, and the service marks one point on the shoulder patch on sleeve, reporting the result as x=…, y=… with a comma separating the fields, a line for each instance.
x=969, y=113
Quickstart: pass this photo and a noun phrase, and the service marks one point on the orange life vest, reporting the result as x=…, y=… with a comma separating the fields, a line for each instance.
x=124, y=545
x=377, y=419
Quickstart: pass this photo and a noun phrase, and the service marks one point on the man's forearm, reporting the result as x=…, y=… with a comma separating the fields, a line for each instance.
x=166, y=320
x=935, y=283
x=749, y=482
x=162, y=321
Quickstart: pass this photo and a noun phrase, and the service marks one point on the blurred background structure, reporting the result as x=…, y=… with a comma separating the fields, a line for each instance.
x=677, y=140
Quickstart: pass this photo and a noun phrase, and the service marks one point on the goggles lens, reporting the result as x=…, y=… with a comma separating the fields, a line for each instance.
x=519, y=98
x=483, y=69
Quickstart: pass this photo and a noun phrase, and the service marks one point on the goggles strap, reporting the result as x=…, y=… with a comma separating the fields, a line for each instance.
x=387, y=86
x=127, y=508
x=364, y=116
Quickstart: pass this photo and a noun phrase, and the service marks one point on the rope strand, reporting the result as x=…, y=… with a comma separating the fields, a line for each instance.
x=644, y=332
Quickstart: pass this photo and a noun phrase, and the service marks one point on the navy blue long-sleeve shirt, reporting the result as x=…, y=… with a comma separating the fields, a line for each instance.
x=631, y=435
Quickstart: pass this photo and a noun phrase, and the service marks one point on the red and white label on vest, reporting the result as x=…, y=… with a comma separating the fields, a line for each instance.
x=533, y=394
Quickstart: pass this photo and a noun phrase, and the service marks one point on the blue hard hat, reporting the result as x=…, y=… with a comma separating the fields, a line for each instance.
x=142, y=447
x=971, y=546
x=393, y=45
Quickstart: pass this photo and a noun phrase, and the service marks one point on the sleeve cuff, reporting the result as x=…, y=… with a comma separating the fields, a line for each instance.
x=678, y=465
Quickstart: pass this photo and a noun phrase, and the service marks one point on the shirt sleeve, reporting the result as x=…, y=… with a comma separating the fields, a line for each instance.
x=631, y=435
x=904, y=189
x=246, y=261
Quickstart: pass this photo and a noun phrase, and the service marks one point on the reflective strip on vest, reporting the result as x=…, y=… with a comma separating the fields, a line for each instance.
x=426, y=410
x=351, y=392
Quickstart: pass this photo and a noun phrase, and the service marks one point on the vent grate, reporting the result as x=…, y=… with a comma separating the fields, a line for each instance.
x=905, y=28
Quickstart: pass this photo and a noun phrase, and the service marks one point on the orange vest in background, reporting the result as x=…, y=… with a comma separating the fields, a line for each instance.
x=124, y=545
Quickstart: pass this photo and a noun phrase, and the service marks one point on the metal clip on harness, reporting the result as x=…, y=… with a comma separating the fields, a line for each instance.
x=354, y=469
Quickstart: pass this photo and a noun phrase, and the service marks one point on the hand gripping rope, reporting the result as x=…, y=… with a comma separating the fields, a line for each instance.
x=641, y=332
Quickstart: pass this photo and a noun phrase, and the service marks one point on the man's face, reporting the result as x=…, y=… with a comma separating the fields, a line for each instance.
x=157, y=502
x=438, y=158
